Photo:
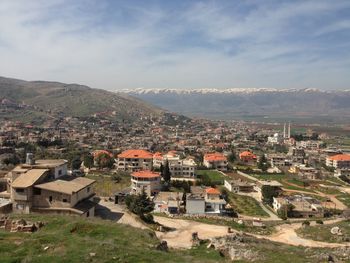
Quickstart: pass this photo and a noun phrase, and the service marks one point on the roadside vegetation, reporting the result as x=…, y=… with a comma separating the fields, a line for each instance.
x=323, y=233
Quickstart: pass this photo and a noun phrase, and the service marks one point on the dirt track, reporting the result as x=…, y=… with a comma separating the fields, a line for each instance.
x=181, y=236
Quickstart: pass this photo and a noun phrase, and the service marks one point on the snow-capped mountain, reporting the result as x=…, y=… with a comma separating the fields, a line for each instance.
x=232, y=103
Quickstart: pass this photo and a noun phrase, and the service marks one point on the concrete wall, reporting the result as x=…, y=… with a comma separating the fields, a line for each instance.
x=195, y=206
x=43, y=200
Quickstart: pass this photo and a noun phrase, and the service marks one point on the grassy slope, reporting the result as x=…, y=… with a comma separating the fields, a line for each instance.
x=212, y=174
x=71, y=239
x=246, y=205
x=73, y=99
x=322, y=232
x=105, y=186
x=110, y=241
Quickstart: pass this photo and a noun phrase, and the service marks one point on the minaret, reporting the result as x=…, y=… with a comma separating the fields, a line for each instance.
x=284, y=131
x=289, y=131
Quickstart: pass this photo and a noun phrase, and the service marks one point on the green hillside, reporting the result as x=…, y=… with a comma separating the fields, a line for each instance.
x=51, y=99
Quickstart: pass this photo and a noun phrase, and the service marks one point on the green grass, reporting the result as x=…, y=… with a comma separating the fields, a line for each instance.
x=246, y=205
x=284, y=179
x=344, y=198
x=213, y=175
x=106, y=186
x=322, y=232
x=71, y=239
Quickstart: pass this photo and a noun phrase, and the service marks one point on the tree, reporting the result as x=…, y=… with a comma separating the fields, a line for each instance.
x=76, y=162
x=104, y=160
x=88, y=160
x=263, y=164
x=165, y=172
x=11, y=160
x=140, y=205
x=268, y=193
x=232, y=157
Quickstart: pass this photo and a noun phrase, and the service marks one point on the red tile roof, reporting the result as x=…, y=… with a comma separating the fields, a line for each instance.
x=158, y=155
x=99, y=152
x=214, y=157
x=247, y=154
x=145, y=174
x=137, y=154
x=340, y=157
x=212, y=191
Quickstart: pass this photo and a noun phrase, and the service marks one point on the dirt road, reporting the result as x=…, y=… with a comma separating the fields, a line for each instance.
x=286, y=234
x=181, y=236
x=109, y=210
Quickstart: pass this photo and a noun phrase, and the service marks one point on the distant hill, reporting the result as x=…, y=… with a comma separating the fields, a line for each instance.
x=33, y=100
x=254, y=104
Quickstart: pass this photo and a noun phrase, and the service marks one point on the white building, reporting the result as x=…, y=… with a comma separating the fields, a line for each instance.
x=135, y=160
x=146, y=181
x=178, y=167
x=275, y=139
x=341, y=161
x=215, y=161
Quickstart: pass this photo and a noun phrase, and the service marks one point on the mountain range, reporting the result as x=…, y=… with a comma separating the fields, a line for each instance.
x=254, y=104
x=40, y=100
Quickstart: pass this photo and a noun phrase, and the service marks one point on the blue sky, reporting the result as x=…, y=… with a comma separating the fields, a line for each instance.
x=178, y=44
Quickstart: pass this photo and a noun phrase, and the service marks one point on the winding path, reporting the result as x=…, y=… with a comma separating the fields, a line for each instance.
x=181, y=236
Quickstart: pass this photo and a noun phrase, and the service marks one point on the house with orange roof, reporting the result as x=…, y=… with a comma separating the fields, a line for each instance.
x=135, y=160
x=204, y=200
x=339, y=161
x=247, y=157
x=215, y=161
x=146, y=181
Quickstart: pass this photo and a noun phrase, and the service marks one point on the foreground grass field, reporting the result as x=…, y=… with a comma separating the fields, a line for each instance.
x=323, y=232
x=72, y=239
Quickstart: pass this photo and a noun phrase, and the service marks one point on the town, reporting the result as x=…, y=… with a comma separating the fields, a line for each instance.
x=239, y=175
x=197, y=131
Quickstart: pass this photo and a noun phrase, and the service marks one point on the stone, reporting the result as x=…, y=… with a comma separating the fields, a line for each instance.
x=163, y=246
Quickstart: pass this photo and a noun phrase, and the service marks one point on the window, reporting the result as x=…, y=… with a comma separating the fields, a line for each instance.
x=19, y=190
x=59, y=172
x=64, y=200
x=37, y=191
x=88, y=189
x=50, y=199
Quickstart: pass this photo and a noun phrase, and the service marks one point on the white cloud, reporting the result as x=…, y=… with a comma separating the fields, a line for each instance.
x=61, y=40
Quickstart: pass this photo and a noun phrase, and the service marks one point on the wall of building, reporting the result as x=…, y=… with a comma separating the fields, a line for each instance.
x=58, y=199
x=195, y=206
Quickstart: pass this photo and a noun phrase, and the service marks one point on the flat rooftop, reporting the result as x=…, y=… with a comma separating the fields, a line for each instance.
x=67, y=185
x=49, y=163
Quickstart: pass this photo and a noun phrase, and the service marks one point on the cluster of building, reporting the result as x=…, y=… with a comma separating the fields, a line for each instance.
x=44, y=186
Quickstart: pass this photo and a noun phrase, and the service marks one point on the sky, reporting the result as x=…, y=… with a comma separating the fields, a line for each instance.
x=114, y=45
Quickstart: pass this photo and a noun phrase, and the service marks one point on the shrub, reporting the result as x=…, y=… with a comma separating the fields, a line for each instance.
x=319, y=221
x=306, y=223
